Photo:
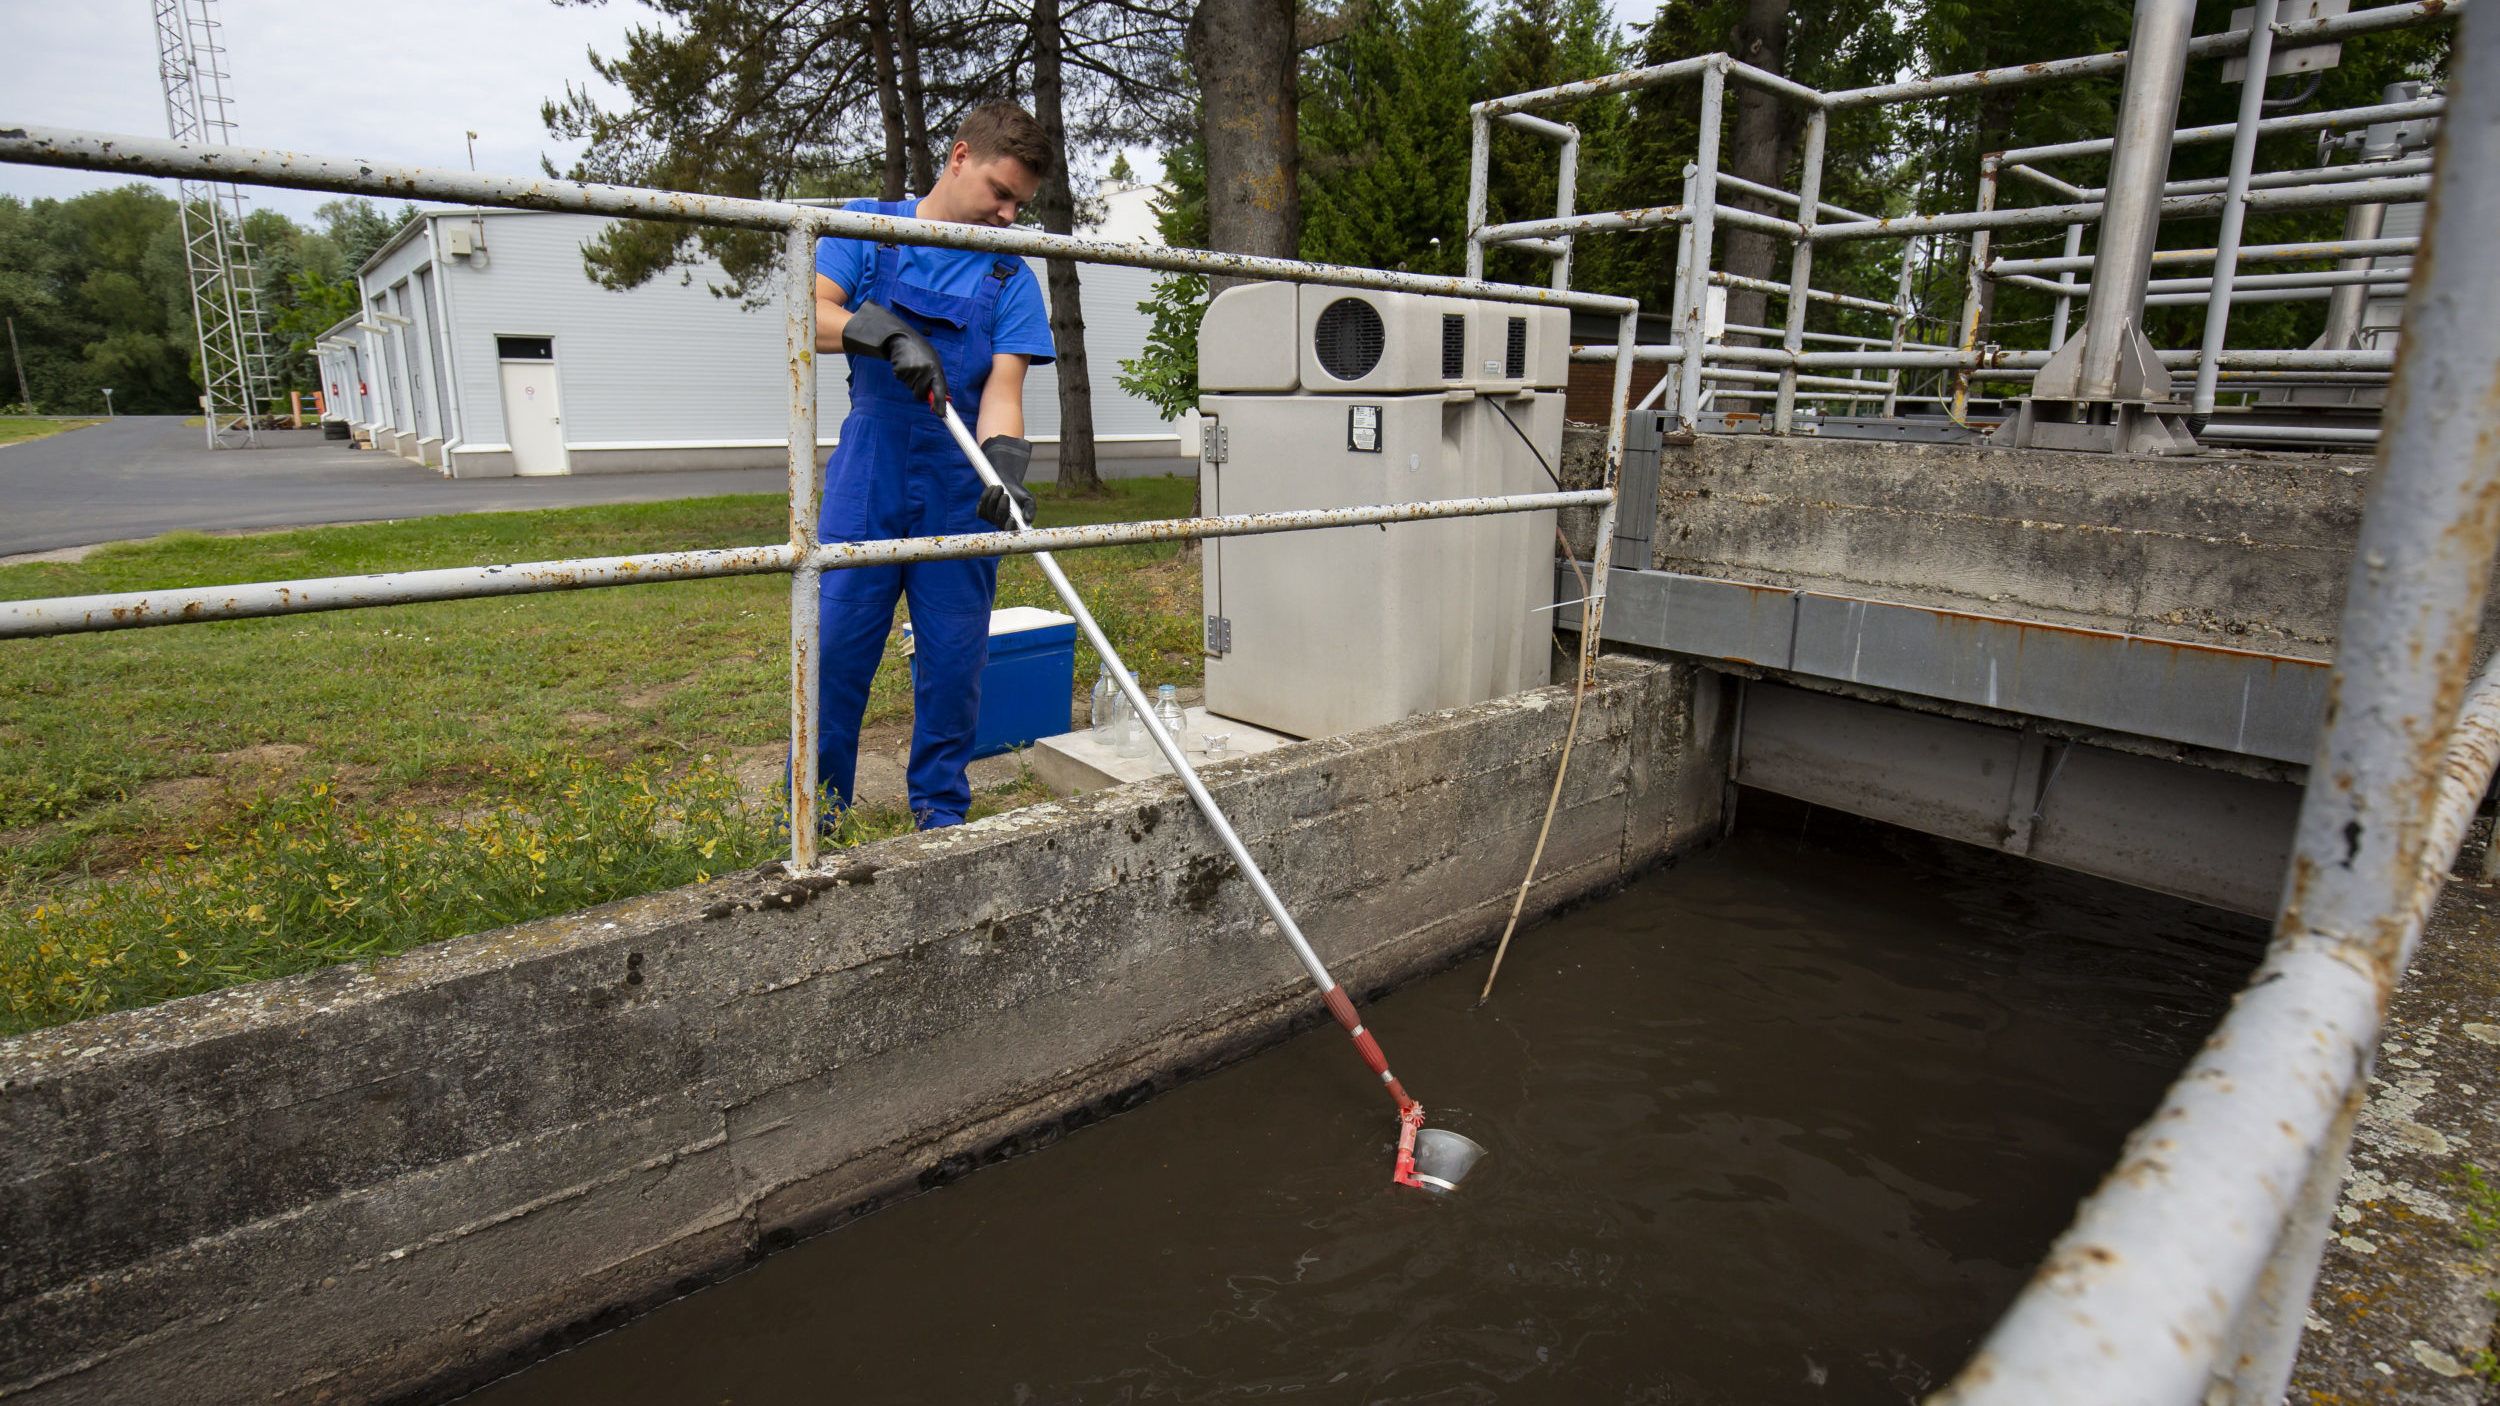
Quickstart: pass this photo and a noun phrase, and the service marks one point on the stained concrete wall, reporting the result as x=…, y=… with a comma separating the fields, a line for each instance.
x=2247, y=551
x=393, y=1179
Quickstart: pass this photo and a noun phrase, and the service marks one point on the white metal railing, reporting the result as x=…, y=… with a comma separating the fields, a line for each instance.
x=1701, y=210
x=801, y=556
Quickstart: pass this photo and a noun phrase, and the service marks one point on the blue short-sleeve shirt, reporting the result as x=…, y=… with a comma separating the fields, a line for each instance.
x=1020, y=324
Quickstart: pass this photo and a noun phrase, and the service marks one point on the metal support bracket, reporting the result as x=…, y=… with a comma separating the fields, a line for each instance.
x=2140, y=419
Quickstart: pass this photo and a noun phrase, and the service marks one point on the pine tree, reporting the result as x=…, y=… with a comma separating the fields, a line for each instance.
x=1384, y=131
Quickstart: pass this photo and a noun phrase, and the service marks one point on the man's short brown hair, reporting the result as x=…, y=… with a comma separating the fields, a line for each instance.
x=1004, y=129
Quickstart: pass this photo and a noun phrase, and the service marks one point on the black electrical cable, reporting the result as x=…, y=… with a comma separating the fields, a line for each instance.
x=1559, y=538
x=2316, y=81
x=1523, y=439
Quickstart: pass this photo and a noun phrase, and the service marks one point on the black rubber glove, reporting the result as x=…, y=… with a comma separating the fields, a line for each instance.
x=1011, y=457
x=875, y=331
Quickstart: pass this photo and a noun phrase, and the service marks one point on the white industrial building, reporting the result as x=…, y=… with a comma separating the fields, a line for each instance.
x=485, y=350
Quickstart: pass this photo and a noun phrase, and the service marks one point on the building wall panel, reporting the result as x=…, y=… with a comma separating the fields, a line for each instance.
x=672, y=363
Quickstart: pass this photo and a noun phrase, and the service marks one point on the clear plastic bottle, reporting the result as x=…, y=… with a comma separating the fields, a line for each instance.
x=1168, y=710
x=1131, y=733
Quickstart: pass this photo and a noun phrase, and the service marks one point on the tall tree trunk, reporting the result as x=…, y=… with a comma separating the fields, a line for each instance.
x=1243, y=54
x=1056, y=205
x=1759, y=151
x=919, y=159
x=889, y=95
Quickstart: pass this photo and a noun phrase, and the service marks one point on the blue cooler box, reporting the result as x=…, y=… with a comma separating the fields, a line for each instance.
x=1031, y=677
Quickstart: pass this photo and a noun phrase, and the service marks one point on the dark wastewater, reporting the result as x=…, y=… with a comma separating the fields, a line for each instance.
x=1789, y=1121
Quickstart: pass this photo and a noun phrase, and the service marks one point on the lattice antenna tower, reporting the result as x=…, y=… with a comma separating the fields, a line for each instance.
x=225, y=297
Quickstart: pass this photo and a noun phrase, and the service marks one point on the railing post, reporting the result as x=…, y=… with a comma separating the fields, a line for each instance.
x=1618, y=403
x=2139, y=162
x=2346, y=306
x=2234, y=207
x=1566, y=196
x=1479, y=167
x=806, y=664
x=1669, y=392
x=1692, y=318
x=1901, y=311
x=2066, y=301
x=1975, y=284
x=1801, y=267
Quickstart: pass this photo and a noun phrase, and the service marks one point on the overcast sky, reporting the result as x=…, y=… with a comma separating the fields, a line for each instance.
x=397, y=82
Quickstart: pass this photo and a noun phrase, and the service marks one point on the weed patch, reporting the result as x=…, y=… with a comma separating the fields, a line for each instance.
x=302, y=879
x=18, y=428
x=2480, y=1196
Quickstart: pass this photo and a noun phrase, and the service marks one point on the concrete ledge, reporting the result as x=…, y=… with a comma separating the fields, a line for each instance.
x=401, y=1177
x=482, y=463
x=2243, y=550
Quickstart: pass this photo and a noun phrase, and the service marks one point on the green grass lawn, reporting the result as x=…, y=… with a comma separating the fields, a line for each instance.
x=15, y=428
x=273, y=793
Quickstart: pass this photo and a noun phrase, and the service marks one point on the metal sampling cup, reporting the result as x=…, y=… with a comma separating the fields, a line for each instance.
x=1443, y=1158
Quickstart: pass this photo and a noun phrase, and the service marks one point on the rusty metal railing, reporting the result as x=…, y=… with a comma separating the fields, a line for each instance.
x=802, y=556
x=2189, y=1271
x=1808, y=221
x=2186, y=1276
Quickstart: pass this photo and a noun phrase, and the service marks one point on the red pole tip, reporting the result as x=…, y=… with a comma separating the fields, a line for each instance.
x=1410, y=1122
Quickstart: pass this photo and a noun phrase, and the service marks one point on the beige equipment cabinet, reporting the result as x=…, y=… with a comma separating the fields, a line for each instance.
x=1324, y=398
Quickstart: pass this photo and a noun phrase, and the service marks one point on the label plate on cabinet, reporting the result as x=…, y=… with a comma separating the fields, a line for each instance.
x=1362, y=428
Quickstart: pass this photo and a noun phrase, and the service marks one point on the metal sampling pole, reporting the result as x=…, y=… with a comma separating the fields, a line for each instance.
x=2122, y=262
x=1410, y=1113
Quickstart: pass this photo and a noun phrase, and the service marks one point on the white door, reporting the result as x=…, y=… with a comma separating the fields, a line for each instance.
x=533, y=421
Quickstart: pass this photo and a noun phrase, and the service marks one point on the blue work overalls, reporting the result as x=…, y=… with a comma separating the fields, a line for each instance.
x=896, y=472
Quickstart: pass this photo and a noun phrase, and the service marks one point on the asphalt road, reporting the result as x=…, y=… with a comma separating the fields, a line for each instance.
x=141, y=476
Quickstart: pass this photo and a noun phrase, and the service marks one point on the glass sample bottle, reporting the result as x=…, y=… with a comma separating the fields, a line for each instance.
x=1168, y=710
x=1108, y=702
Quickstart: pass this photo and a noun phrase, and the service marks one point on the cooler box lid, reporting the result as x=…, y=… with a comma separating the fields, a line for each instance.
x=1016, y=619
x=1019, y=629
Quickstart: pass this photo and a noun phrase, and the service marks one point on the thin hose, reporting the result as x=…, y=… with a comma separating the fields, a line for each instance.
x=1571, y=732
x=1553, y=799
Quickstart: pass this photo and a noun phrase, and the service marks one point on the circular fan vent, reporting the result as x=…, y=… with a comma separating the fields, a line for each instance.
x=1348, y=339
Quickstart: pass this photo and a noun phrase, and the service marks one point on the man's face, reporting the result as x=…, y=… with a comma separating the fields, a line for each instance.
x=987, y=191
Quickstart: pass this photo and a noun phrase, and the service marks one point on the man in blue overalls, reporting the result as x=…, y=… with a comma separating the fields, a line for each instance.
x=923, y=326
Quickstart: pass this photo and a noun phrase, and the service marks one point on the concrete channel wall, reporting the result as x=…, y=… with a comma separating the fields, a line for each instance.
x=2244, y=551
x=388, y=1181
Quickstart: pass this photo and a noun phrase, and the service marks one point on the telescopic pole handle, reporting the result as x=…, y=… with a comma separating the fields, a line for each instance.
x=1339, y=1004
